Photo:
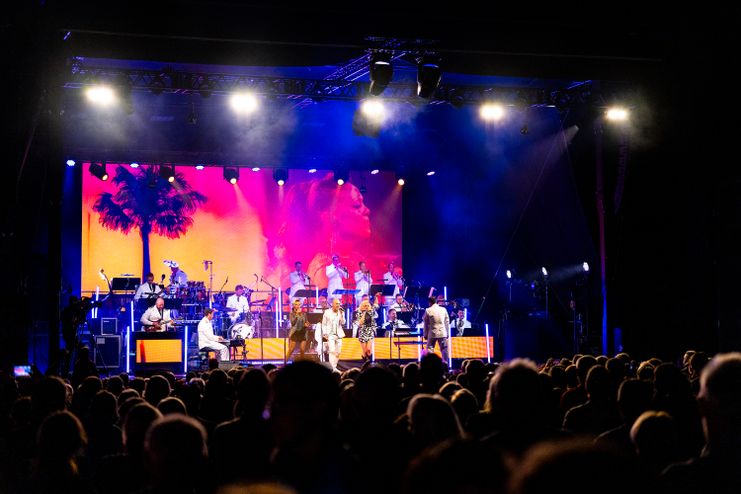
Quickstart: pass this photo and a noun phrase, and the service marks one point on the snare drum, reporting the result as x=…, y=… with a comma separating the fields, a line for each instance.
x=241, y=330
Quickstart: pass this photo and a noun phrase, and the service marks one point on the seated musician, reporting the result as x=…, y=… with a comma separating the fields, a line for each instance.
x=392, y=324
x=401, y=305
x=207, y=340
x=157, y=318
x=149, y=289
x=239, y=302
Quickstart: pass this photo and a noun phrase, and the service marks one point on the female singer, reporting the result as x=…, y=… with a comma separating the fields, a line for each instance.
x=365, y=318
x=298, y=333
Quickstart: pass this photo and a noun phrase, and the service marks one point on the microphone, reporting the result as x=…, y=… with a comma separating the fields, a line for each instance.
x=162, y=279
x=205, y=265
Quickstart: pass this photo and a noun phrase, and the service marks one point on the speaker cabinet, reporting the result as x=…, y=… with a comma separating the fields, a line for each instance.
x=107, y=350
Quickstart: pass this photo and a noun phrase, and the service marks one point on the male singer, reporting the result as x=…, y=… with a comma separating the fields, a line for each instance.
x=299, y=280
x=157, y=318
x=148, y=289
x=207, y=340
x=332, y=332
x=363, y=281
x=436, y=324
x=239, y=302
x=335, y=272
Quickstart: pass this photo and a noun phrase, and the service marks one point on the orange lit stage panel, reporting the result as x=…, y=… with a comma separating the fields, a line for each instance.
x=159, y=351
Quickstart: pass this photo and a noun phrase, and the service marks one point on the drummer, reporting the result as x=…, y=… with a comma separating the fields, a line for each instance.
x=240, y=304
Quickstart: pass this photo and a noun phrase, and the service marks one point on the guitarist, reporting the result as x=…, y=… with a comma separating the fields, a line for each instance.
x=157, y=318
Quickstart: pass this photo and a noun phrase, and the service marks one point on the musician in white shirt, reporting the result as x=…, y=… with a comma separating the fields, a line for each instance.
x=461, y=323
x=392, y=278
x=332, y=332
x=436, y=324
x=401, y=305
x=363, y=281
x=335, y=273
x=177, y=277
x=148, y=289
x=207, y=340
x=238, y=301
x=157, y=318
x=393, y=323
x=298, y=280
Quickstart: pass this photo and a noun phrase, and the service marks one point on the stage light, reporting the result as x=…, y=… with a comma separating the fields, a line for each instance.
x=70, y=162
x=428, y=77
x=430, y=173
x=243, y=103
x=373, y=109
x=255, y=168
x=280, y=175
x=375, y=171
x=340, y=176
x=312, y=170
x=381, y=72
x=98, y=170
x=585, y=267
x=617, y=114
x=100, y=95
x=167, y=172
x=491, y=112
x=544, y=271
x=400, y=181
x=134, y=164
x=200, y=167
x=509, y=274
x=231, y=175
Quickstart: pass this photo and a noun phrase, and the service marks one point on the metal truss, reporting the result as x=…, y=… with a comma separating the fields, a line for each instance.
x=340, y=86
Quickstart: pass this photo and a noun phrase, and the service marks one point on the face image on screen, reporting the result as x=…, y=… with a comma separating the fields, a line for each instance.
x=136, y=221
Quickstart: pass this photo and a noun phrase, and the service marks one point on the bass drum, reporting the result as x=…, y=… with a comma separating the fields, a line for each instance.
x=241, y=330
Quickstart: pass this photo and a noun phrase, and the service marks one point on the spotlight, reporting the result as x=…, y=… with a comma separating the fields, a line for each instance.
x=430, y=173
x=381, y=72
x=544, y=271
x=491, y=112
x=255, y=168
x=231, y=175
x=375, y=171
x=509, y=274
x=617, y=114
x=100, y=95
x=585, y=267
x=280, y=175
x=200, y=167
x=312, y=170
x=167, y=172
x=400, y=181
x=70, y=162
x=340, y=176
x=134, y=165
x=428, y=77
x=373, y=110
x=243, y=103
x=98, y=170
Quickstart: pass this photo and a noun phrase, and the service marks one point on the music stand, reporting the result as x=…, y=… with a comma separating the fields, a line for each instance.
x=305, y=293
x=384, y=290
x=405, y=316
x=124, y=284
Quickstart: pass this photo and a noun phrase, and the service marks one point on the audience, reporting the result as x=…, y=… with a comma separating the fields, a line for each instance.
x=409, y=428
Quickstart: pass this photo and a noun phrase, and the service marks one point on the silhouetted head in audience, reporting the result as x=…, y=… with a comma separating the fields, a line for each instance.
x=172, y=405
x=158, y=388
x=115, y=385
x=465, y=405
x=49, y=395
x=431, y=372
x=135, y=428
x=598, y=384
x=515, y=393
x=256, y=488
x=104, y=408
x=376, y=395
x=655, y=438
x=138, y=383
x=558, y=376
x=645, y=372
x=634, y=398
x=305, y=403
x=576, y=467
x=126, y=394
x=253, y=392
x=697, y=363
x=571, y=376
x=176, y=452
x=448, y=389
x=432, y=420
x=457, y=466
x=687, y=357
x=720, y=400
x=126, y=406
x=59, y=440
x=583, y=364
